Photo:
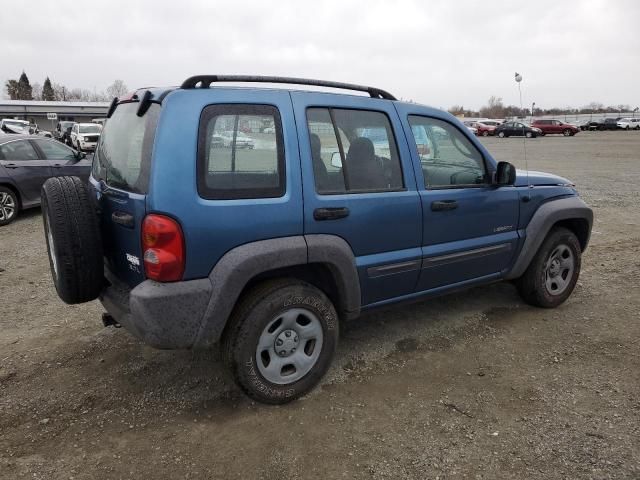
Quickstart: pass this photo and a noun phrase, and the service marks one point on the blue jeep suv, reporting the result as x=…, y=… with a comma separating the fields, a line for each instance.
x=261, y=218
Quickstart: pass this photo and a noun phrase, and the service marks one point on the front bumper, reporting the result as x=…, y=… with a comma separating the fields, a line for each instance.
x=88, y=145
x=163, y=315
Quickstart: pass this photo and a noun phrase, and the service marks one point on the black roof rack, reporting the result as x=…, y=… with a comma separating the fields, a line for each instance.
x=204, y=81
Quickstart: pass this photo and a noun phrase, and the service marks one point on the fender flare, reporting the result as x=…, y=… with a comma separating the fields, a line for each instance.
x=547, y=215
x=239, y=265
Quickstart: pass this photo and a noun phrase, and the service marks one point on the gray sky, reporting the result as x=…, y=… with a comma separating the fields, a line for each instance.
x=435, y=52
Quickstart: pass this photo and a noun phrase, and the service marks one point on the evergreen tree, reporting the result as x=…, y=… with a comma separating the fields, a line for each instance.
x=47, y=91
x=24, y=88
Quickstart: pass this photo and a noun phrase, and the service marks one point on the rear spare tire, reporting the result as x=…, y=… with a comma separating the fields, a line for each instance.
x=72, y=233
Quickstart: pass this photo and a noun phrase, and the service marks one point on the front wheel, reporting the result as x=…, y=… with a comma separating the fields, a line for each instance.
x=485, y=133
x=529, y=135
x=553, y=272
x=566, y=132
x=8, y=206
x=281, y=340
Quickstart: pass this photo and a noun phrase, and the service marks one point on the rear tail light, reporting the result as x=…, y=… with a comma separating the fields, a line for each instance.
x=163, y=248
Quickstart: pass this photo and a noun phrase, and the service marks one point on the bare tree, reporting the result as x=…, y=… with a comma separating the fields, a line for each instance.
x=36, y=91
x=117, y=89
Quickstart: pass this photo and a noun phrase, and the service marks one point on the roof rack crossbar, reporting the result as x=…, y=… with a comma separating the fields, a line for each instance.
x=205, y=81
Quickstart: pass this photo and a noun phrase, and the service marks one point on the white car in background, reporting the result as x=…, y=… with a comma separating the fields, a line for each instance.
x=11, y=125
x=85, y=136
x=628, y=123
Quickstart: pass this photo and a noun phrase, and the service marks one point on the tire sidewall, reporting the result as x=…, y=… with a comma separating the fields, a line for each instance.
x=15, y=203
x=559, y=237
x=244, y=362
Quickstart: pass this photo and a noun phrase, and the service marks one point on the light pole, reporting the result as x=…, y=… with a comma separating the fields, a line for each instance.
x=533, y=106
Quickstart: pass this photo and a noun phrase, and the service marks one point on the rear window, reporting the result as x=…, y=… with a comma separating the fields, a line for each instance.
x=240, y=152
x=123, y=155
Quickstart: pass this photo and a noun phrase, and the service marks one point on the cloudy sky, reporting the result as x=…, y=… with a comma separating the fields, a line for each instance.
x=436, y=52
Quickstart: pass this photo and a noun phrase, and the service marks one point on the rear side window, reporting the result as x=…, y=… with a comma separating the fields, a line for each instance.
x=19, y=150
x=123, y=155
x=353, y=151
x=240, y=152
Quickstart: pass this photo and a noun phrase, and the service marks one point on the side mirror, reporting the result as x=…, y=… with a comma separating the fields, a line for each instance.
x=505, y=174
x=336, y=160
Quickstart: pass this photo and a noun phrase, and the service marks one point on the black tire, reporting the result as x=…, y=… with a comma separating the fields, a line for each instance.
x=501, y=134
x=485, y=133
x=73, y=239
x=529, y=135
x=532, y=286
x=566, y=132
x=255, y=312
x=9, y=206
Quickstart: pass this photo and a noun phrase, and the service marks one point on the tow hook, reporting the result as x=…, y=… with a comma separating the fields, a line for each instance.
x=109, y=321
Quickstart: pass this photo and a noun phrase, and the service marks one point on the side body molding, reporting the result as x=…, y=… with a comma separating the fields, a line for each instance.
x=546, y=216
x=239, y=265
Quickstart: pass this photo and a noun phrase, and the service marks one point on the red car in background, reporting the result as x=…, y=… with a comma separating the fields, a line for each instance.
x=482, y=128
x=550, y=127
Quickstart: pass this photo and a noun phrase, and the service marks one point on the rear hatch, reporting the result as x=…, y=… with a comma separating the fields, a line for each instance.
x=120, y=177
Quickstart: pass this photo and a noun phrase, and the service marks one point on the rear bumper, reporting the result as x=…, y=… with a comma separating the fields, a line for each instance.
x=163, y=315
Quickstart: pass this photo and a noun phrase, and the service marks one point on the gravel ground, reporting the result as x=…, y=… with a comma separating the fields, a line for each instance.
x=473, y=385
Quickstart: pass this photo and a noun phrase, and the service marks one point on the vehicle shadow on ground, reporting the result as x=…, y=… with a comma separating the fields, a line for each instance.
x=197, y=381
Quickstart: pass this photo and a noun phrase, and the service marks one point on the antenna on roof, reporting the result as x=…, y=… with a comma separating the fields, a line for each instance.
x=524, y=136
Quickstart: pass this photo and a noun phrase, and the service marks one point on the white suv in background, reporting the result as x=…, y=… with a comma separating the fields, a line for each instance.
x=85, y=136
x=629, y=123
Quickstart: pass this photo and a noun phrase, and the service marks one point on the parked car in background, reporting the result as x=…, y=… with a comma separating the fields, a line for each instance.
x=635, y=123
x=482, y=129
x=241, y=140
x=14, y=126
x=85, y=136
x=551, y=127
x=26, y=162
x=517, y=129
x=627, y=123
x=493, y=122
x=608, y=124
x=62, y=131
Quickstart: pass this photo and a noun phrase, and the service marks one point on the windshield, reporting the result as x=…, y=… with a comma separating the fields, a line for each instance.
x=17, y=123
x=90, y=129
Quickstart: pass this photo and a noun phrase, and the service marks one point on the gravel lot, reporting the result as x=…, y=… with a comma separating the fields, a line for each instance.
x=473, y=385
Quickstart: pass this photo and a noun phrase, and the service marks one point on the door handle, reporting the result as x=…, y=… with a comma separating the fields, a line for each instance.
x=331, y=213
x=11, y=165
x=123, y=218
x=442, y=205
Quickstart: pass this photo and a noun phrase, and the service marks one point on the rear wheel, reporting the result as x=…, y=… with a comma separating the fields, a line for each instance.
x=281, y=340
x=553, y=272
x=73, y=239
x=566, y=132
x=501, y=134
x=8, y=206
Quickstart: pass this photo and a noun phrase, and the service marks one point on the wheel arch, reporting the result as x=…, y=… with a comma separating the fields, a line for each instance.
x=15, y=190
x=569, y=212
x=325, y=261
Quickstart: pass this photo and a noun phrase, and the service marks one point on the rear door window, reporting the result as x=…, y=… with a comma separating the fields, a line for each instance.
x=55, y=150
x=353, y=151
x=123, y=156
x=240, y=152
x=20, y=150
